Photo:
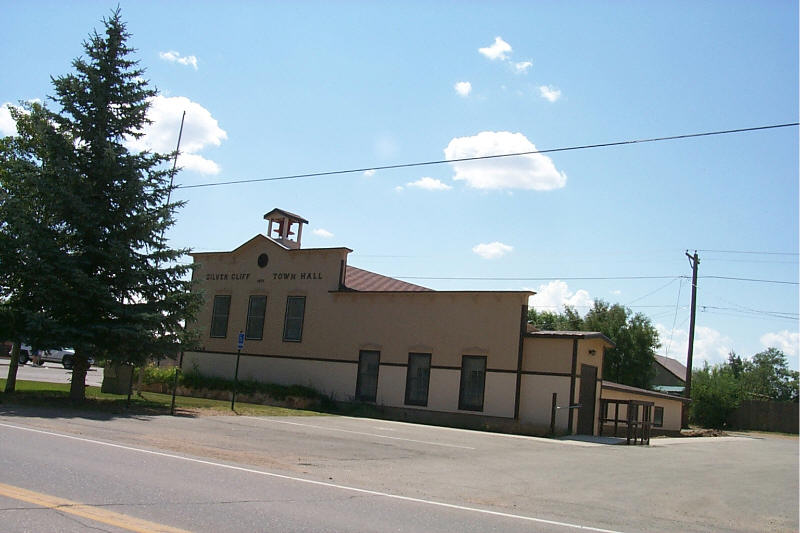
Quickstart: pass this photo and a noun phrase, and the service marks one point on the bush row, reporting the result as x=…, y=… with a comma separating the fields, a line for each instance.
x=195, y=380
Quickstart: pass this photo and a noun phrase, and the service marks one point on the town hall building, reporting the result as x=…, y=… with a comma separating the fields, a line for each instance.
x=462, y=357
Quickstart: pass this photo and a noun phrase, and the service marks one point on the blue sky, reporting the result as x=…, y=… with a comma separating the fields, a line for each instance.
x=273, y=89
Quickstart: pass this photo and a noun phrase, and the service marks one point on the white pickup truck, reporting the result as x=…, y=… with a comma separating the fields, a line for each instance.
x=64, y=356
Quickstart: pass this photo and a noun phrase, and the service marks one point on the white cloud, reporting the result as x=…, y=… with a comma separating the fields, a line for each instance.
x=709, y=345
x=175, y=57
x=369, y=173
x=323, y=233
x=616, y=292
x=197, y=163
x=463, y=88
x=7, y=124
x=523, y=66
x=531, y=171
x=499, y=50
x=553, y=296
x=429, y=184
x=399, y=188
x=786, y=341
x=549, y=93
x=200, y=131
x=492, y=250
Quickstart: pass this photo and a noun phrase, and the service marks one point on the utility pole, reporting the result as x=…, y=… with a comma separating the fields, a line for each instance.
x=687, y=392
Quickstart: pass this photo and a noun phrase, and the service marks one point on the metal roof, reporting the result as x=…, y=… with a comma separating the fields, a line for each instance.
x=286, y=214
x=672, y=366
x=360, y=280
x=644, y=392
x=570, y=335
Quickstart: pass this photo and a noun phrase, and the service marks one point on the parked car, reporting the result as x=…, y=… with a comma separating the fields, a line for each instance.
x=65, y=356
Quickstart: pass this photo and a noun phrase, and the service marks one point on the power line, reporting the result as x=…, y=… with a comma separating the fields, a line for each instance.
x=762, y=261
x=667, y=284
x=754, y=280
x=748, y=316
x=587, y=278
x=748, y=252
x=675, y=317
x=777, y=314
x=588, y=306
x=435, y=278
x=496, y=156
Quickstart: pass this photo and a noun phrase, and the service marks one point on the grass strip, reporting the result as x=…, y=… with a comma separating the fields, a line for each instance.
x=56, y=395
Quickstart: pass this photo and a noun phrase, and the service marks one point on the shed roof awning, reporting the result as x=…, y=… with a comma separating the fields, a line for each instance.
x=570, y=335
x=636, y=390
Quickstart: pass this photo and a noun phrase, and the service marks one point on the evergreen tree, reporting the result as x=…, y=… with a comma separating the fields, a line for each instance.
x=115, y=290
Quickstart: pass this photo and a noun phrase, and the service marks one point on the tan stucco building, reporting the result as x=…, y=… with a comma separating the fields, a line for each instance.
x=465, y=357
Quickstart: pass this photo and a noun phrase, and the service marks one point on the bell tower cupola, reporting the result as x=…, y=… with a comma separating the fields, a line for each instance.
x=285, y=228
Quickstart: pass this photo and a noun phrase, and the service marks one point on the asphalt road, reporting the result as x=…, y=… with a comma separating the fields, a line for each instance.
x=232, y=473
x=51, y=373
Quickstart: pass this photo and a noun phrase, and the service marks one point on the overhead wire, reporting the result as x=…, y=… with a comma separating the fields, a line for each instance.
x=752, y=279
x=561, y=278
x=587, y=278
x=484, y=157
x=748, y=252
x=675, y=318
x=653, y=292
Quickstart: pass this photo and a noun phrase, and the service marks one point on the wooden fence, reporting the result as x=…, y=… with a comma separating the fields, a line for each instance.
x=765, y=416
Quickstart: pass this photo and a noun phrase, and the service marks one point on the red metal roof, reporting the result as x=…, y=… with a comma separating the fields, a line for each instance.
x=287, y=214
x=357, y=279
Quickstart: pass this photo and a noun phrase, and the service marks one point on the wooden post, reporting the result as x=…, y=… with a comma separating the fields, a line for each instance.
x=687, y=391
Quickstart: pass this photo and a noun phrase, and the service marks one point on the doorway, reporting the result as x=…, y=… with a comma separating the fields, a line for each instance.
x=587, y=399
x=367, y=380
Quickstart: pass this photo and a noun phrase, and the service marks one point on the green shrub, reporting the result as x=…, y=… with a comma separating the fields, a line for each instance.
x=715, y=395
x=193, y=379
x=154, y=374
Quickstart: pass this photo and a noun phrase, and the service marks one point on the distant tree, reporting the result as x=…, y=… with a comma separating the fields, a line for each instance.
x=767, y=376
x=631, y=362
x=116, y=290
x=735, y=364
x=569, y=320
x=718, y=390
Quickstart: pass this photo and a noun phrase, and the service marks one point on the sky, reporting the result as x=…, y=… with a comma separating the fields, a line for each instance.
x=274, y=89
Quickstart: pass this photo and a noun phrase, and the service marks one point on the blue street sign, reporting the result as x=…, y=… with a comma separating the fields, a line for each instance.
x=240, y=344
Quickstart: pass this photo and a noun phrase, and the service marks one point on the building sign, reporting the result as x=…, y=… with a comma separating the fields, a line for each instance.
x=295, y=275
x=277, y=276
x=228, y=276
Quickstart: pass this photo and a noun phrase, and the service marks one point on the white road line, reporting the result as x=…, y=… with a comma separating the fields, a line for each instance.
x=273, y=421
x=314, y=482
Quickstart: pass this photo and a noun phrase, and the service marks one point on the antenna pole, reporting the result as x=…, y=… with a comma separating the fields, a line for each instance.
x=175, y=163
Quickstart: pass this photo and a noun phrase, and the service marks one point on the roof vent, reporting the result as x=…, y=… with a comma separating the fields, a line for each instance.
x=285, y=227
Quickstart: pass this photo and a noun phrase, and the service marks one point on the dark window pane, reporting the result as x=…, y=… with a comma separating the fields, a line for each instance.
x=367, y=381
x=418, y=378
x=658, y=417
x=219, y=316
x=473, y=379
x=256, y=310
x=293, y=324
